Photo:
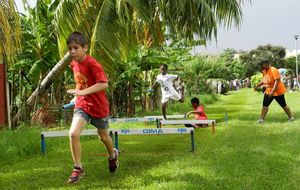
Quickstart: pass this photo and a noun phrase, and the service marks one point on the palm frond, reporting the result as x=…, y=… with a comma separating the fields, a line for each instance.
x=69, y=17
x=10, y=31
x=114, y=26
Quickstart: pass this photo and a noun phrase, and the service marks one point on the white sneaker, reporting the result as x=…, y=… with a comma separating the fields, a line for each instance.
x=260, y=121
x=291, y=119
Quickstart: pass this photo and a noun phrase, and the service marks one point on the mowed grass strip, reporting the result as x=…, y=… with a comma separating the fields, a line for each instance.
x=240, y=155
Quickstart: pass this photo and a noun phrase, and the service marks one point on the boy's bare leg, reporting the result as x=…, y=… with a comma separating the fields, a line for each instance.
x=288, y=111
x=264, y=112
x=182, y=95
x=164, y=109
x=113, y=162
x=107, y=141
x=74, y=135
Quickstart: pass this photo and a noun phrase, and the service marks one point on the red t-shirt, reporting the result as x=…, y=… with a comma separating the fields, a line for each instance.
x=201, y=116
x=86, y=74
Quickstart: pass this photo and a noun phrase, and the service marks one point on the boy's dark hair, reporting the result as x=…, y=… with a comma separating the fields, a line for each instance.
x=165, y=66
x=78, y=38
x=195, y=100
x=264, y=61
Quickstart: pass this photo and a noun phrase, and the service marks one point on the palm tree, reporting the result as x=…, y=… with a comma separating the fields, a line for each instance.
x=9, y=24
x=112, y=27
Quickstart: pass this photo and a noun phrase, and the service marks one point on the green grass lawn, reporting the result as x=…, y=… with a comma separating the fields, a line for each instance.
x=240, y=155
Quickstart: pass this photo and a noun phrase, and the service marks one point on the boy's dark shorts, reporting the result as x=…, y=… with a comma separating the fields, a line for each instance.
x=279, y=99
x=99, y=123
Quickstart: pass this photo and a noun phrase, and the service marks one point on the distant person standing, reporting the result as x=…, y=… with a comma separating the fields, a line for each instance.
x=219, y=87
x=295, y=85
x=274, y=90
x=236, y=84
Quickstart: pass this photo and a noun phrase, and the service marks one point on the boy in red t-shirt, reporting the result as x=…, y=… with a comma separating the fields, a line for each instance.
x=198, y=112
x=91, y=104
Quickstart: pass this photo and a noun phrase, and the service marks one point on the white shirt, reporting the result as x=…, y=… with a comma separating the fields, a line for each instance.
x=166, y=84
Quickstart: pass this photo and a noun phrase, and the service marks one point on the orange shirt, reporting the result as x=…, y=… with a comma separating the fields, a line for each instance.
x=269, y=78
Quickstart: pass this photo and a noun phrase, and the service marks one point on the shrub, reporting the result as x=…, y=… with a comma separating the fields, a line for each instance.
x=255, y=79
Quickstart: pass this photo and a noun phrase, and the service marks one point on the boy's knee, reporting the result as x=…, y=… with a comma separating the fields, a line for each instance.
x=103, y=136
x=265, y=108
x=74, y=135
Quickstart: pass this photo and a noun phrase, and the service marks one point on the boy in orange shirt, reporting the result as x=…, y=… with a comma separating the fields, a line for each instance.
x=274, y=90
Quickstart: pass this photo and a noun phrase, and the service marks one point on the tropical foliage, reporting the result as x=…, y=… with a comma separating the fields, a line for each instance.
x=290, y=64
x=249, y=59
x=148, y=23
x=9, y=24
x=126, y=36
x=255, y=79
x=39, y=54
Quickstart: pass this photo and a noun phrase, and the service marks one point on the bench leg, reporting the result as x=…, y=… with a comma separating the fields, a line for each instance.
x=43, y=144
x=158, y=123
x=226, y=118
x=193, y=141
x=117, y=141
x=111, y=135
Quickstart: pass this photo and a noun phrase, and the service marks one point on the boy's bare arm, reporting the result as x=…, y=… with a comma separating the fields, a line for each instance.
x=193, y=112
x=260, y=84
x=155, y=85
x=275, y=87
x=90, y=90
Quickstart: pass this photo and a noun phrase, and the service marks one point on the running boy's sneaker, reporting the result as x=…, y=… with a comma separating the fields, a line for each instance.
x=113, y=163
x=291, y=119
x=77, y=173
x=260, y=121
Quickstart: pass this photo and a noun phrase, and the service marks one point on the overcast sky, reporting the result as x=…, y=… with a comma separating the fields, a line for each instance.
x=264, y=22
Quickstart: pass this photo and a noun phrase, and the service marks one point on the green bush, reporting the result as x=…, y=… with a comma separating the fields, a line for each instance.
x=255, y=79
x=197, y=85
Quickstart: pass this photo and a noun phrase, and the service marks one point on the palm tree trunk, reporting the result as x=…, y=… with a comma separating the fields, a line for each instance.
x=52, y=75
x=144, y=94
x=45, y=84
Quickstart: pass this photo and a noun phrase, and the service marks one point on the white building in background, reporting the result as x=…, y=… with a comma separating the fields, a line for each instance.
x=292, y=53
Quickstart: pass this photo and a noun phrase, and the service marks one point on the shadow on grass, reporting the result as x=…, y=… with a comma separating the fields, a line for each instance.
x=246, y=157
x=53, y=169
x=243, y=156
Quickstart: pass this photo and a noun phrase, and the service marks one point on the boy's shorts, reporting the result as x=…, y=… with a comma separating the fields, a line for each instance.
x=279, y=99
x=175, y=96
x=99, y=123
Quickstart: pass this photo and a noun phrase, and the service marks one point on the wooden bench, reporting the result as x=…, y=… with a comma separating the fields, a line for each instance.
x=116, y=132
x=160, y=117
x=182, y=122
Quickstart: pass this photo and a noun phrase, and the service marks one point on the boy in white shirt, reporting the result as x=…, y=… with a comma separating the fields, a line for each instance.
x=168, y=91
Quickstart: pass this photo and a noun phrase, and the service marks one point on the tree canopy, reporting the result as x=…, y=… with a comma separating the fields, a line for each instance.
x=114, y=26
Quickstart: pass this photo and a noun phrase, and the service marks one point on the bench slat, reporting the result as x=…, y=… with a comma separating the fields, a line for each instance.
x=180, y=122
x=168, y=116
x=141, y=119
x=123, y=132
